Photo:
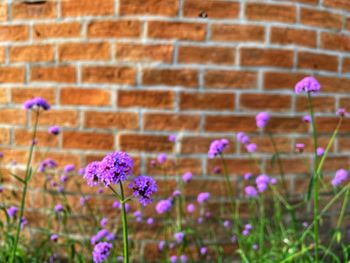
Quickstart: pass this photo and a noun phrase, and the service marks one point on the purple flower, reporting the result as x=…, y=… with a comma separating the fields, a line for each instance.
x=183, y=258
x=320, y=151
x=242, y=138
x=173, y=259
x=54, y=237
x=91, y=173
x=217, y=147
x=172, y=138
x=100, y=234
x=263, y=178
x=200, y=220
x=24, y=222
x=299, y=147
x=245, y=232
x=137, y=213
x=203, y=251
x=307, y=119
x=191, y=208
x=305, y=224
x=69, y=168
x=251, y=147
x=110, y=237
x=64, y=178
x=60, y=189
x=248, y=226
x=255, y=246
x=273, y=181
x=103, y=222
x=83, y=200
x=54, y=130
x=115, y=167
x=101, y=252
x=308, y=85
x=36, y=102
x=143, y=187
x=179, y=237
x=202, y=197
x=233, y=239
x=187, y=177
x=47, y=164
x=161, y=245
x=163, y=206
x=340, y=176
x=341, y=112
x=161, y=158
x=250, y=191
x=176, y=193
x=261, y=119
x=12, y=211
x=247, y=176
x=227, y=224
x=59, y=208
x=150, y=221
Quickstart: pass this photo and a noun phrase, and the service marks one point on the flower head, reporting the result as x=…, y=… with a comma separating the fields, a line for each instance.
x=186, y=177
x=173, y=259
x=101, y=252
x=299, y=147
x=191, y=208
x=59, y=208
x=161, y=245
x=217, y=147
x=308, y=85
x=247, y=176
x=307, y=119
x=24, y=222
x=163, y=206
x=319, y=151
x=340, y=176
x=341, y=112
x=242, y=138
x=54, y=237
x=103, y=222
x=172, y=138
x=115, y=167
x=150, y=221
x=183, y=258
x=251, y=147
x=203, y=251
x=143, y=188
x=69, y=168
x=179, y=237
x=47, y=164
x=162, y=158
x=90, y=173
x=36, y=102
x=202, y=197
x=261, y=119
x=54, y=130
x=250, y=191
x=12, y=211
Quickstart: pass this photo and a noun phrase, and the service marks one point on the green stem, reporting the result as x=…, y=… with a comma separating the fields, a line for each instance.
x=25, y=187
x=125, y=226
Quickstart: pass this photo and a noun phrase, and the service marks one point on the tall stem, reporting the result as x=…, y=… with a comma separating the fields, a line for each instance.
x=25, y=187
x=125, y=225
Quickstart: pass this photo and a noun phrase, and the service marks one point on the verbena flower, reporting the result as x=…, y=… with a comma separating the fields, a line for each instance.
x=54, y=237
x=341, y=112
x=187, y=177
x=250, y=191
x=251, y=147
x=172, y=138
x=179, y=237
x=90, y=174
x=69, y=168
x=262, y=182
x=247, y=176
x=12, y=211
x=191, y=208
x=255, y=246
x=307, y=119
x=307, y=85
x=59, y=208
x=203, y=251
x=341, y=175
x=217, y=147
x=54, y=130
x=143, y=188
x=99, y=235
x=176, y=193
x=115, y=167
x=273, y=181
x=261, y=119
x=24, y=222
x=161, y=245
x=36, y=102
x=150, y=221
x=173, y=259
x=299, y=147
x=101, y=252
x=103, y=222
x=242, y=138
x=227, y=224
x=162, y=158
x=319, y=151
x=183, y=258
x=110, y=237
x=202, y=197
x=163, y=206
x=47, y=164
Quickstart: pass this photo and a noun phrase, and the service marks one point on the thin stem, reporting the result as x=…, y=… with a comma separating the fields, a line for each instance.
x=125, y=226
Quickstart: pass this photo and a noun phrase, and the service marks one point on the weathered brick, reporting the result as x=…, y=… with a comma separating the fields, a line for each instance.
x=206, y=55
x=24, y=138
x=147, y=143
x=149, y=7
x=170, y=122
x=3, y=11
x=176, y=30
x=145, y=98
x=4, y=136
x=319, y=18
x=4, y=98
x=87, y=7
x=12, y=74
x=109, y=74
x=144, y=53
x=317, y=61
x=56, y=30
x=14, y=33
x=299, y=37
x=230, y=79
x=328, y=124
x=320, y=104
x=266, y=57
x=65, y=118
x=335, y=41
x=65, y=74
x=265, y=102
x=270, y=12
x=207, y=101
x=340, y=4
x=213, y=9
x=2, y=54
x=170, y=77
x=20, y=95
x=114, y=29
x=84, y=51
x=115, y=120
x=87, y=140
x=85, y=96
x=281, y=80
x=33, y=53
x=34, y=10
x=334, y=84
x=346, y=65
x=241, y=33
x=12, y=116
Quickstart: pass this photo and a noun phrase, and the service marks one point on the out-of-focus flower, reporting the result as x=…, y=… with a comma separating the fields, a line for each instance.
x=103, y=222
x=150, y=221
x=319, y=151
x=54, y=130
x=307, y=118
x=202, y=197
x=203, y=251
x=162, y=158
x=176, y=193
x=100, y=234
x=261, y=119
x=161, y=245
x=342, y=112
x=24, y=222
x=172, y=138
x=183, y=258
x=54, y=237
x=255, y=246
x=217, y=147
x=247, y=176
x=307, y=85
x=101, y=252
x=179, y=237
x=91, y=173
x=47, y=164
x=251, y=147
x=173, y=259
x=59, y=208
x=250, y=191
x=242, y=138
x=68, y=168
x=273, y=181
x=143, y=188
x=36, y=102
x=186, y=177
x=299, y=147
x=163, y=206
x=341, y=175
x=110, y=237
x=191, y=208
x=227, y=224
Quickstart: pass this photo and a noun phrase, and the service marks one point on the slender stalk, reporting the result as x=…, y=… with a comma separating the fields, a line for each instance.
x=125, y=226
x=28, y=175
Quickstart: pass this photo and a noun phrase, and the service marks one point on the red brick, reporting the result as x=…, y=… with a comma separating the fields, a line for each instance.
x=230, y=79
x=115, y=120
x=20, y=95
x=12, y=116
x=4, y=98
x=334, y=84
x=11, y=74
x=318, y=18
x=149, y=7
x=65, y=118
x=84, y=96
x=270, y=12
x=87, y=7
x=320, y=104
x=109, y=74
x=24, y=138
x=2, y=54
x=317, y=61
x=34, y=53
x=235, y=166
x=213, y=9
x=87, y=140
x=4, y=136
x=170, y=77
x=207, y=101
x=283, y=144
x=14, y=33
x=147, y=143
x=145, y=98
x=114, y=29
x=176, y=30
x=3, y=11
x=171, y=122
x=241, y=33
x=328, y=124
x=265, y=102
x=197, y=144
x=84, y=51
x=335, y=41
x=65, y=74
x=206, y=55
x=281, y=80
x=266, y=57
x=144, y=53
x=56, y=30
x=346, y=65
x=299, y=37
x=340, y=4
x=38, y=10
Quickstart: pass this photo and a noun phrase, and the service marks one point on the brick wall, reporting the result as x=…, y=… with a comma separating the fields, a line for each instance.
x=124, y=74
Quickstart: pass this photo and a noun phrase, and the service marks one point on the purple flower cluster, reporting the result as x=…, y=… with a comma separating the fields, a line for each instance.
x=143, y=187
x=340, y=176
x=161, y=158
x=179, y=237
x=12, y=211
x=101, y=252
x=186, y=177
x=262, y=182
x=261, y=119
x=202, y=197
x=99, y=235
x=308, y=85
x=54, y=130
x=250, y=191
x=36, y=102
x=243, y=139
x=247, y=229
x=58, y=208
x=217, y=147
x=163, y=206
x=90, y=173
x=47, y=164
